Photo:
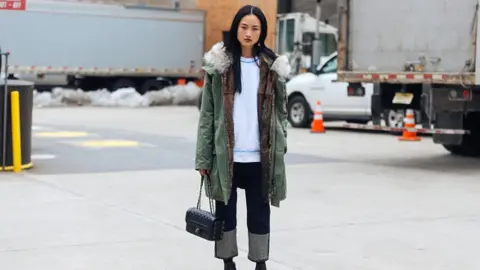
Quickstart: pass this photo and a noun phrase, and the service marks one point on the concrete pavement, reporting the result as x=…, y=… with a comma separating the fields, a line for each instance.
x=110, y=188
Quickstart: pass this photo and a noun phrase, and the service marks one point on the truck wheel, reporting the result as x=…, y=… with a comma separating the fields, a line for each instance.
x=470, y=144
x=299, y=113
x=468, y=148
x=394, y=118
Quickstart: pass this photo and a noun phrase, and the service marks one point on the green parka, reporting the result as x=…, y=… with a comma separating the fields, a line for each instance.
x=215, y=139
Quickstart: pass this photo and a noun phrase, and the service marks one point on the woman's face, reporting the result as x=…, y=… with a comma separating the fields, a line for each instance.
x=249, y=31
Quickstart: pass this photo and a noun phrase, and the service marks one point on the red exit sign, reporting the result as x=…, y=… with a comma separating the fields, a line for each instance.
x=12, y=4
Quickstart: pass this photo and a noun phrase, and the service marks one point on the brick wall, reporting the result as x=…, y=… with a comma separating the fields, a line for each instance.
x=220, y=15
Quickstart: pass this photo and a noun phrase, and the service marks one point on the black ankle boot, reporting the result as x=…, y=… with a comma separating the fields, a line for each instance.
x=261, y=266
x=229, y=265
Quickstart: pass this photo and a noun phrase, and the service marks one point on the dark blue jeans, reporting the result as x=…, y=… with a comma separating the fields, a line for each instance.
x=246, y=176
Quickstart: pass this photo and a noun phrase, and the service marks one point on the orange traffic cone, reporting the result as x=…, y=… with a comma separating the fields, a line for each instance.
x=199, y=83
x=317, y=123
x=181, y=82
x=409, y=122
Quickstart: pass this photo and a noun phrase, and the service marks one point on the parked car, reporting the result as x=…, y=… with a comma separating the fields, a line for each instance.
x=305, y=89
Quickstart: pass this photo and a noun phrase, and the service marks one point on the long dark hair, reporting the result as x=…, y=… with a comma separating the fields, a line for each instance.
x=234, y=47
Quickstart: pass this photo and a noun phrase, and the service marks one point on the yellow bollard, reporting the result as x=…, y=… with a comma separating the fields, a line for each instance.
x=16, y=136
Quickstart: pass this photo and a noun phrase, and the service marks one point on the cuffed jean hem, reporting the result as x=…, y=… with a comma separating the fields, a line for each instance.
x=227, y=247
x=258, y=247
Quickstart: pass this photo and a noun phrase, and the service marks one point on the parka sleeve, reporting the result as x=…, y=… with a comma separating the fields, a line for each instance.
x=282, y=100
x=205, y=132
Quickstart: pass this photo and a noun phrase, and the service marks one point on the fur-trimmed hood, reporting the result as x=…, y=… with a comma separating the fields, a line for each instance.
x=219, y=60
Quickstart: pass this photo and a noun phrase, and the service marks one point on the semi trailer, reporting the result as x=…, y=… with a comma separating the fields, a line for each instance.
x=91, y=45
x=420, y=55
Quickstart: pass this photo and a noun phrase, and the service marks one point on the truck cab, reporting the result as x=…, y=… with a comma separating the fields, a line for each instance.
x=295, y=35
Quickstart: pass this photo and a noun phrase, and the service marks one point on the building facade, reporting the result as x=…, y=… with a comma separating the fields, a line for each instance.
x=219, y=16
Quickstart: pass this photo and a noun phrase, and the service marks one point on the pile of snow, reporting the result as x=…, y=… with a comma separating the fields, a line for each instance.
x=126, y=97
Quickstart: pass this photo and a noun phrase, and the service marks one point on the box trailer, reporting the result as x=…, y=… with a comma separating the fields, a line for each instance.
x=420, y=55
x=94, y=45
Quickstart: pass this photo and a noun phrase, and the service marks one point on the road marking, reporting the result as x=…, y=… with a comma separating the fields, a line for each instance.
x=63, y=134
x=38, y=128
x=108, y=143
x=43, y=156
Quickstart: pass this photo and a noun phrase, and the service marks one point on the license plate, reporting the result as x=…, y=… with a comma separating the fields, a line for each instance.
x=402, y=98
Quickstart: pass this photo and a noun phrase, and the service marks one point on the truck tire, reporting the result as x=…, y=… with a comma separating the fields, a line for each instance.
x=299, y=112
x=394, y=118
x=470, y=147
x=463, y=150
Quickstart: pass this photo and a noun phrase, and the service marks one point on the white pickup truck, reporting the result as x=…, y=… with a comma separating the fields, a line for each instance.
x=338, y=102
x=305, y=89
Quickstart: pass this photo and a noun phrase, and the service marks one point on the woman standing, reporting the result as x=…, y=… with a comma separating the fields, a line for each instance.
x=242, y=132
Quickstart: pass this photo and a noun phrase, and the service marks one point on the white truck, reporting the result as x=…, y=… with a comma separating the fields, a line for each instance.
x=420, y=55
x=95, y=45
x=295, y=34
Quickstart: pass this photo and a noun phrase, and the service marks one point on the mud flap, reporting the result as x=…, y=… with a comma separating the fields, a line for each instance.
x=449, y=120
x=426, y=114
x=376, y=105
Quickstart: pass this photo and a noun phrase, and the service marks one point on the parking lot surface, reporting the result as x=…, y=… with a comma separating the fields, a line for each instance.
x=110, y=187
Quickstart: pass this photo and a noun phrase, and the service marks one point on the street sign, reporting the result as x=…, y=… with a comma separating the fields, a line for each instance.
x=13, y=4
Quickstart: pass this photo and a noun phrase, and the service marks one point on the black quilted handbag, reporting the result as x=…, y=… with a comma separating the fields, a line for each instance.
x=203, y=223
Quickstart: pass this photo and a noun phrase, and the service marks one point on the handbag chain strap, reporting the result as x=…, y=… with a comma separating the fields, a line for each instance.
x=210, y=200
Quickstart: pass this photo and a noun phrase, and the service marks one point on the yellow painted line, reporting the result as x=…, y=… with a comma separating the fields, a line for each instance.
x=62, y=134
x=109, y=143
x=10, y=168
